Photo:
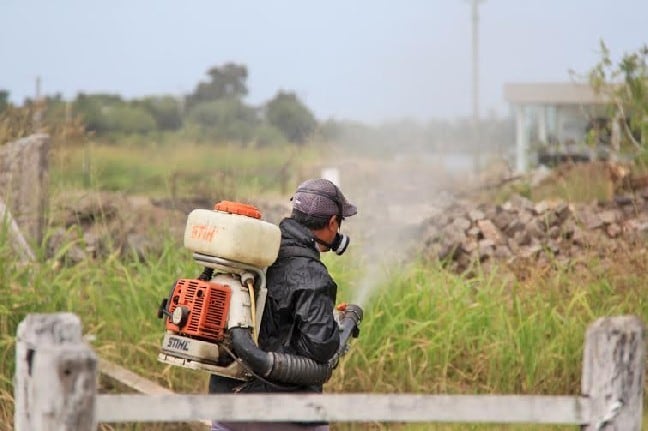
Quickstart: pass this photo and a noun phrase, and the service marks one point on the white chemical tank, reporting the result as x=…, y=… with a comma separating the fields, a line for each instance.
x=233, y=231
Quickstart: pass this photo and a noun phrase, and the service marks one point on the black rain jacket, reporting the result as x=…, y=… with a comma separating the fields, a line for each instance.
x=298, y=315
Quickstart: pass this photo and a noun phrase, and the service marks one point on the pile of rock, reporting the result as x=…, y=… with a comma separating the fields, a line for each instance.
x=521, y=229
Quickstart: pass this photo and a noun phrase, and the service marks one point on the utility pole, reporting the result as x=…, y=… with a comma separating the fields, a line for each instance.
x=475, y=79
x=38, y=106
x=475, y=59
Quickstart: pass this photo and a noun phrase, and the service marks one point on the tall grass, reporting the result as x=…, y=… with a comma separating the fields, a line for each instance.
x=430, y=331
x=425, y=330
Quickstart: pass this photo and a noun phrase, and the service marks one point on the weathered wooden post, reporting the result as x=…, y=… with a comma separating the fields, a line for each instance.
x=55, y=381
x=613, y=373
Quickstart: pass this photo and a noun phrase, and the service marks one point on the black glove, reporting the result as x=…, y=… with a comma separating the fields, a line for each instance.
x=355, y=332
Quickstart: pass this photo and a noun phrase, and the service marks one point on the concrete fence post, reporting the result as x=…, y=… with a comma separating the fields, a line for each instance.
x=55, y=380
x=613, y=373
x=24, y=183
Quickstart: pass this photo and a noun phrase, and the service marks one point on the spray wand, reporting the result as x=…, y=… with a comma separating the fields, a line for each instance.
x=349, y=318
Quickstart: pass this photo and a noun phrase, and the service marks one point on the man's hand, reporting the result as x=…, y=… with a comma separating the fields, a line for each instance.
x=334, y=361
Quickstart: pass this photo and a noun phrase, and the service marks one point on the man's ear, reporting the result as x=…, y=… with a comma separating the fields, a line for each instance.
x=331, y=223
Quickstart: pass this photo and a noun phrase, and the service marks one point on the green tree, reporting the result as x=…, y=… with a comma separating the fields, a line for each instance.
x=165, y=110
x=227, y=81
x=107, y=113
x=266, y=135
x=224, y=119
x=626, y=85
x=288, y=114
x=127, y=119
x=92, y=109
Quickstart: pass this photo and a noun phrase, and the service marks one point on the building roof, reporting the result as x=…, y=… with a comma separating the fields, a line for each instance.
x=552, y=94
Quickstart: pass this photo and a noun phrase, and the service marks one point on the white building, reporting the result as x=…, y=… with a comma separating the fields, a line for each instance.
x=553, y=120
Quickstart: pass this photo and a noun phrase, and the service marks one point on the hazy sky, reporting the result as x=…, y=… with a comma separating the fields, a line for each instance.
x=361, y=59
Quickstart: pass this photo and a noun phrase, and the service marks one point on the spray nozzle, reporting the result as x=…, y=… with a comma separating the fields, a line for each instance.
x=350, y=317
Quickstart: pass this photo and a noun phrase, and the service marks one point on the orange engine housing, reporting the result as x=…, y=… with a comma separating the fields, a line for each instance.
x=208, y=304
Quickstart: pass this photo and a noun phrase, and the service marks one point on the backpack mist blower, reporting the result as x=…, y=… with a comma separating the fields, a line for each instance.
x=212, y=322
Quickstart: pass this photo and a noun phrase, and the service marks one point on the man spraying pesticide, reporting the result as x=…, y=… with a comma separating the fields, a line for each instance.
x=261, y=316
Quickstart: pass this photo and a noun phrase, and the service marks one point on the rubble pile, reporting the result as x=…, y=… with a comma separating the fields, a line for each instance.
x=544, y=232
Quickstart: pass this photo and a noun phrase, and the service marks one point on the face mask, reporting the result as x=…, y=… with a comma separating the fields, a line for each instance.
x=339, y=244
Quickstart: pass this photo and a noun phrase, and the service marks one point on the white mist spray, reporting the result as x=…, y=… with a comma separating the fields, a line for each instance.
x=392, y=204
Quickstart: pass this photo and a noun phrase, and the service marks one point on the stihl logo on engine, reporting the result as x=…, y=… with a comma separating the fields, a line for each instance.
x=178, y=344
x=202, y=232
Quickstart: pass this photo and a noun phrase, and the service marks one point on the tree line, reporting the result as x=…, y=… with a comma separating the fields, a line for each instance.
x=214, y=111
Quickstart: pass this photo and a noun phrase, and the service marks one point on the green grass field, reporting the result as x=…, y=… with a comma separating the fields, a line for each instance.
x=177, y=170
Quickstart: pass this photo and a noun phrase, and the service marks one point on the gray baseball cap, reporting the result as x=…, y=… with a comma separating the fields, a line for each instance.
x=321, y=198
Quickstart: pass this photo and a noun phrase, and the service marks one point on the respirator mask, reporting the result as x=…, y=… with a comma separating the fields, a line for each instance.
x=341, y=241
x=339, y=244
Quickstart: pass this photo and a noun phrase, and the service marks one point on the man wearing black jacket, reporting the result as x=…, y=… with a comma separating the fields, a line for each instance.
x=298, y=316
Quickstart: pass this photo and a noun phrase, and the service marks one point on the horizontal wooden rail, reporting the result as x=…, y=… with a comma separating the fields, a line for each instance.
x=566, y=410
x=130, y=379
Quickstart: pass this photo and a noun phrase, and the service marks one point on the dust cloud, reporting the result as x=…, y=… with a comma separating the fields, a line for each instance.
x=401, y=174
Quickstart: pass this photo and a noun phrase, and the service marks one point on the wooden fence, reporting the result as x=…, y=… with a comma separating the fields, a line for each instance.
x=56, y=375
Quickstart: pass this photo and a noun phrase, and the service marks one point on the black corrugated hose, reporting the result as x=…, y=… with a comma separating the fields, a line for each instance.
x=294, y=369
